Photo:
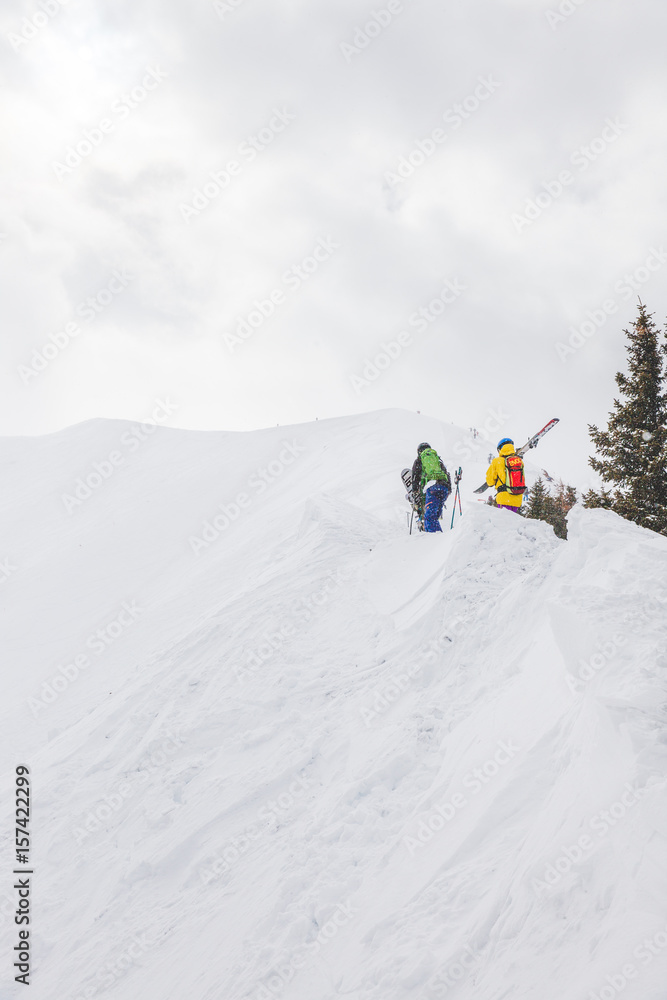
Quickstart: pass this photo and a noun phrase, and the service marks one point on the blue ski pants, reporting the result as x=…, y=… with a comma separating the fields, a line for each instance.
x=435, y=497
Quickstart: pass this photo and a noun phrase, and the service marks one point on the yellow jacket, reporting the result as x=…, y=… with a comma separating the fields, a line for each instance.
x=496, y=475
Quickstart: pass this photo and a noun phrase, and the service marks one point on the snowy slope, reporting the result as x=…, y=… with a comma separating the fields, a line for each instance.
x=299, y=753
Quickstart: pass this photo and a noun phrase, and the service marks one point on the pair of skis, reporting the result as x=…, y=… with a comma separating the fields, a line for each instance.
x=530, y=443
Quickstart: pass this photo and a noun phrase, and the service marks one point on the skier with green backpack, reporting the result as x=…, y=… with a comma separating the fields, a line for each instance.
x=431, y=486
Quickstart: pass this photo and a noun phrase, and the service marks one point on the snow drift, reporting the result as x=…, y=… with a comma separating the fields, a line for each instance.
x=281, y=748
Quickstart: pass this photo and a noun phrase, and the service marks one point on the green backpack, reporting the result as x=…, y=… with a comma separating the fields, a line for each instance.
x=432, y=467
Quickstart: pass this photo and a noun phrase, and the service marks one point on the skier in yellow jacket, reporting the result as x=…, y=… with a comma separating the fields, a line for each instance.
x=497, y=476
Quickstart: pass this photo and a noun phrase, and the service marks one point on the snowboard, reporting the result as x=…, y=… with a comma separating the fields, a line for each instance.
x=530, y=443
x=406, y=476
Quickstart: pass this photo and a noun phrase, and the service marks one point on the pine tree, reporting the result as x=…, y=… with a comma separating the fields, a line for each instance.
x=552, y=509
x=561, y=503
x=569, y=498
x=537, y=497
x=632, y=451
x=602, y=499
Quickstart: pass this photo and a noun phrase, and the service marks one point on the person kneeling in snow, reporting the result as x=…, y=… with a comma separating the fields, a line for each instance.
x=506, y=474
x=428, y=471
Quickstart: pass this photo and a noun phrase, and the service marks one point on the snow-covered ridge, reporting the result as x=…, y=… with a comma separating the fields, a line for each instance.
x=280, y=748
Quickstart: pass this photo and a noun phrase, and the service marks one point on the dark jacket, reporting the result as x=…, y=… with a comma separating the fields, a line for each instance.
x=417, y=475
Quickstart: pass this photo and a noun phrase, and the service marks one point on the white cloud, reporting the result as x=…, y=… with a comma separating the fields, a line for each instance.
x=325, y=174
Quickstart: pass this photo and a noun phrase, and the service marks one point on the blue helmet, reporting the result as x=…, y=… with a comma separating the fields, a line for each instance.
x=504, y=441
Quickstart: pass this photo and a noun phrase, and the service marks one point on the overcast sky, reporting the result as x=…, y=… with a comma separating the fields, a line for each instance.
x=499, y=165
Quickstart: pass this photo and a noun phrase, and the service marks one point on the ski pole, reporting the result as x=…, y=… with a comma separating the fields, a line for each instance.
x=454, y=507
x=411, y=518
x=457, y=479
